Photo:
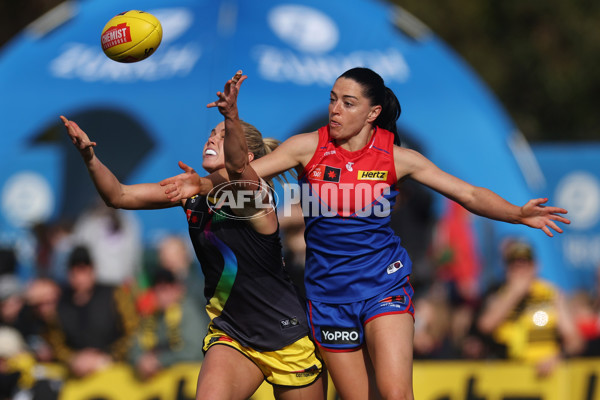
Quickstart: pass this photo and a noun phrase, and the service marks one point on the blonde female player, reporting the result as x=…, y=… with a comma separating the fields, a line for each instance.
x=356, y=276
x=258, y=328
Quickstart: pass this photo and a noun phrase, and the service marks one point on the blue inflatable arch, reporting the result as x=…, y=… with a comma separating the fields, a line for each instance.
x=149, y=115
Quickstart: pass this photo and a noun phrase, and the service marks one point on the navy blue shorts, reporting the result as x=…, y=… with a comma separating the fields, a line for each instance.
x=340, y=327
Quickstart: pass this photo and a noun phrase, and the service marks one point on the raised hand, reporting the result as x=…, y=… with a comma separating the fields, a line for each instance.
x=79, y=138
x=536, y=215
x=186, y=184
x=227, y=102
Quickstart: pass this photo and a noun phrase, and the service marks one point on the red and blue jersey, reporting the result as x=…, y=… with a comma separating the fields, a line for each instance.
x=347, y=197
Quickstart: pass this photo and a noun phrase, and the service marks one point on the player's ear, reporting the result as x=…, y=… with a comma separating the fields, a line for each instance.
x=374, y=113
x=250, y=157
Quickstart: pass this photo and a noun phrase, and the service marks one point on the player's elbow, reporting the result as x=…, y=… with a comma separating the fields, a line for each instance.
x=236, y=167
x=112, y=203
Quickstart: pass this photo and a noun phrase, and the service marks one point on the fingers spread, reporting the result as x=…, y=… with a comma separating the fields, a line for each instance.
x=555, y=227
x=555, y=210
x=561, y=219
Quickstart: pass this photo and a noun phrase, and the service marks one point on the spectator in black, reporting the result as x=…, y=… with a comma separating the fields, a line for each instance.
x=94, y=321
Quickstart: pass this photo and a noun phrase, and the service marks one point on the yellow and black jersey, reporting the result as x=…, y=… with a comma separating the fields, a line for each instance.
x=249, y=293
x=531, y=332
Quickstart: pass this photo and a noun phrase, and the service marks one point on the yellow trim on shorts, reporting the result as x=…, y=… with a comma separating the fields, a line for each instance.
x=294, y=365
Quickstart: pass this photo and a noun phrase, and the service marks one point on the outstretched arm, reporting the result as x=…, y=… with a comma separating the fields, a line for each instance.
x=113, y=192
x=237, y=158
x=478, y=200
x=294, y=152
x=259, y=205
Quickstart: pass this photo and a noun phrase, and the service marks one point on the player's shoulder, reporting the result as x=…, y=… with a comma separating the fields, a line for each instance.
x=304, y=137
x=302, y=142
x=403, y=154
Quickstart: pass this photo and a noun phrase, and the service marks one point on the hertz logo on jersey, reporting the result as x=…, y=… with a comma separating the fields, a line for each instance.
x=372, y=175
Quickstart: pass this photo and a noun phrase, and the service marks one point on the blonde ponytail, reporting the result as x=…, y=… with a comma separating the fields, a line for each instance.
x=260, y=146
x=270, y=144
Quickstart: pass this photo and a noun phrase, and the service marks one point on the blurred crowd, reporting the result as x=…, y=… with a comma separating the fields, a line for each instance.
x=98, y=296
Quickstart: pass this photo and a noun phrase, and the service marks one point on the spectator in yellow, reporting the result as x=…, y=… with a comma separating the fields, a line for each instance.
x=528, y=316
x=174, y=333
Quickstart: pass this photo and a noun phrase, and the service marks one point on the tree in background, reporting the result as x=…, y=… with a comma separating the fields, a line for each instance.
x=537, y=56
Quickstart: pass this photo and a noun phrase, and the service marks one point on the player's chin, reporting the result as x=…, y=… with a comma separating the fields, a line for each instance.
x=211, y=165
x=335, y=131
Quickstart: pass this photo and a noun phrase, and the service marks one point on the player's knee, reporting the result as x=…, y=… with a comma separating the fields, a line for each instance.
x=398, y=393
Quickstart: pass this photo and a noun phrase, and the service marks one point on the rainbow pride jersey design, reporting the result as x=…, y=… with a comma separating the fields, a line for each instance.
x=248, y=291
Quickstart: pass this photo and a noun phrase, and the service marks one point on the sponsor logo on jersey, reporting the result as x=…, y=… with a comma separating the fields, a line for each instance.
x=289, y=323
x=337, y=335
x=349, y=166
x=325, y=173
x=393, y=267
x=372, y=175
x=194, y=218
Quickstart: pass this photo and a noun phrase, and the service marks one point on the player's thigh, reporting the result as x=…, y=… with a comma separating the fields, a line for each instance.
x=351, y=373
x=390, y=342
x=227, y=374
x=317, y=391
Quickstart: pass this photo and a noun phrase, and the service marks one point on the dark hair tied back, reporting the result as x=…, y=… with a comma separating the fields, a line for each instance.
x=374, y=89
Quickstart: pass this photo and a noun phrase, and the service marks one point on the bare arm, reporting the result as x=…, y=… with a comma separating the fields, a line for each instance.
x=294, y=152
x=497, y=310
x=235, y=146
x=113, y=192
x=478, y=200
x=259, y=207
x=501, y=304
